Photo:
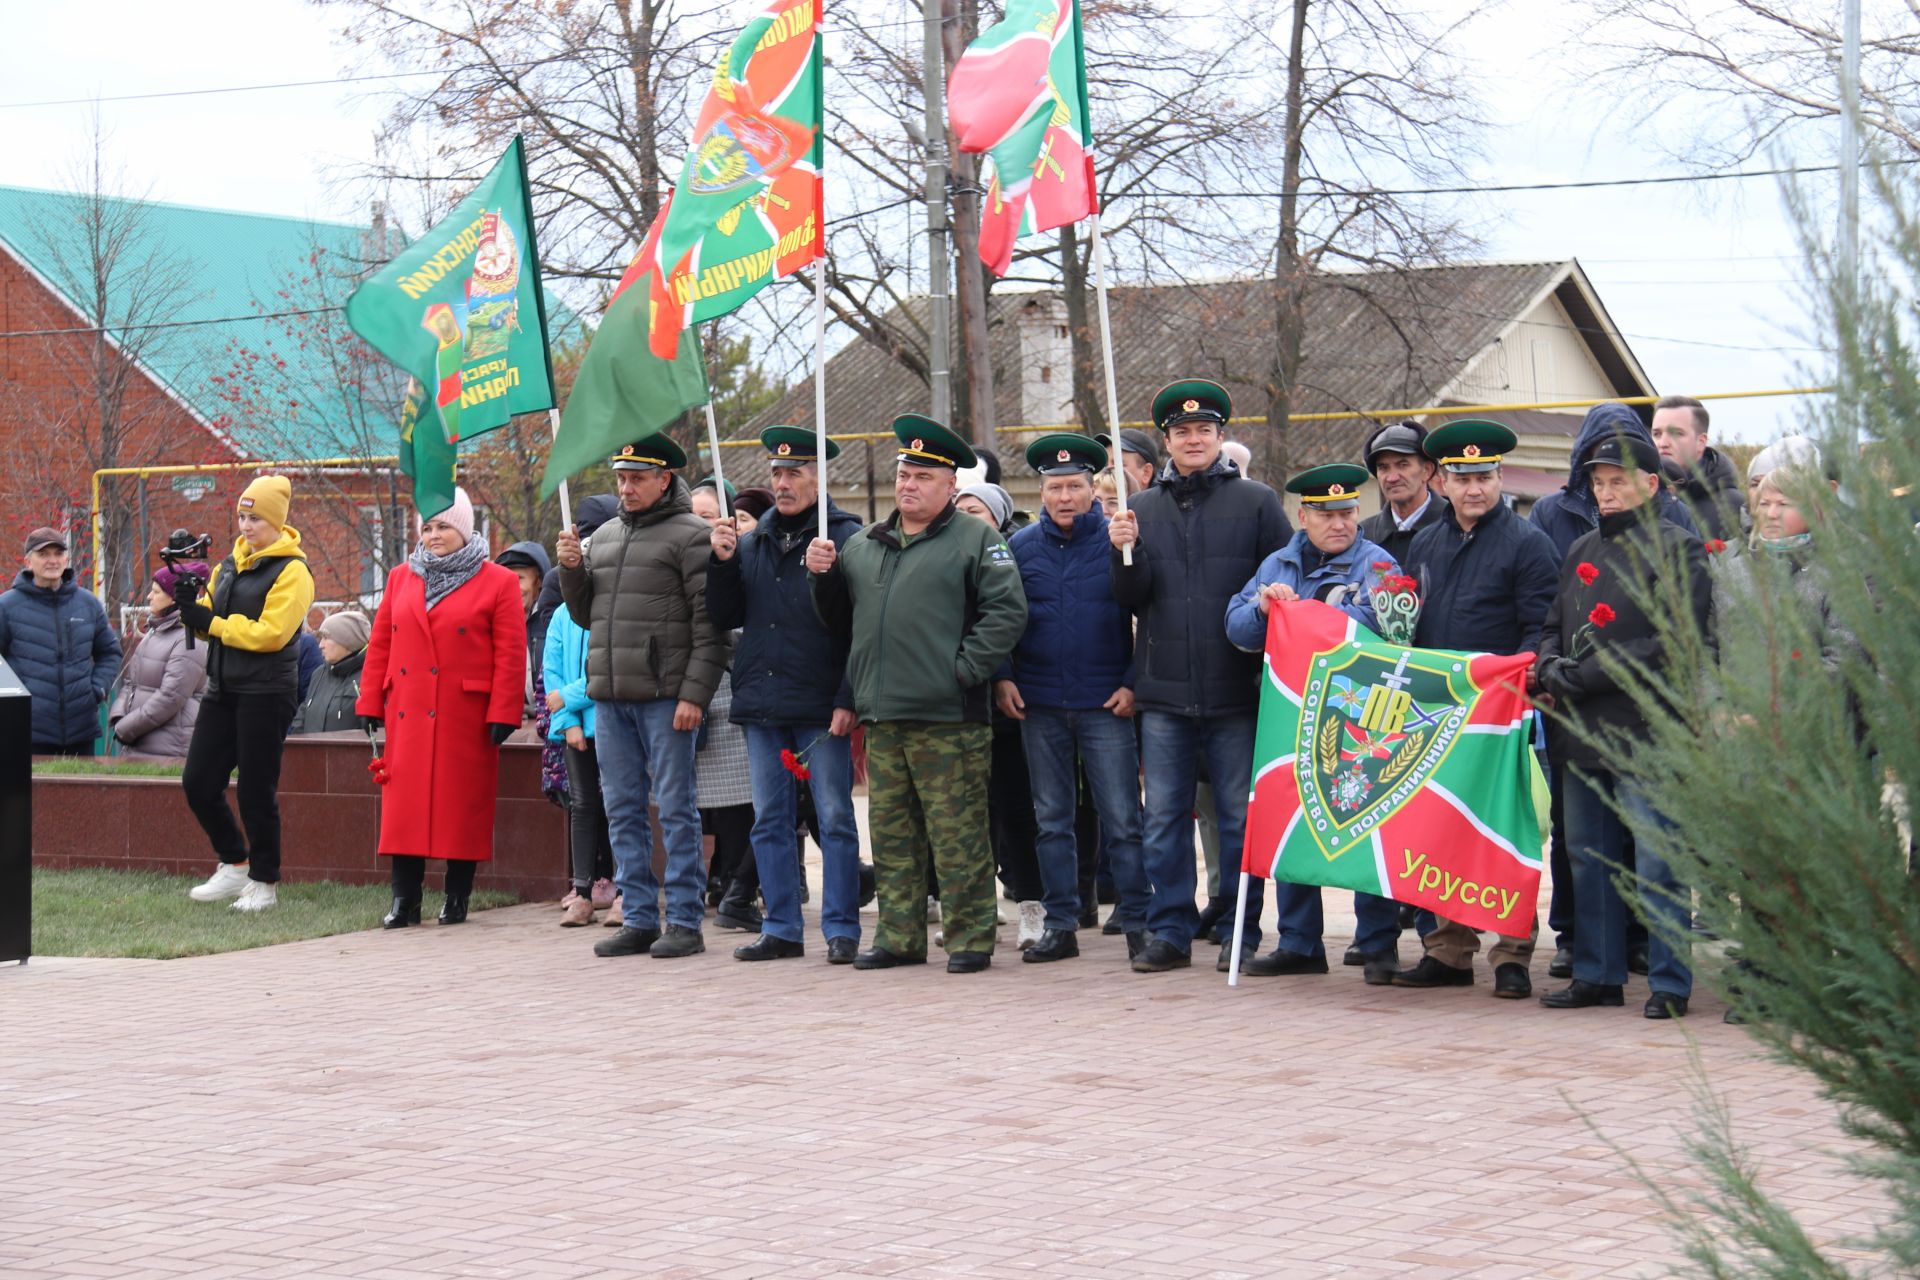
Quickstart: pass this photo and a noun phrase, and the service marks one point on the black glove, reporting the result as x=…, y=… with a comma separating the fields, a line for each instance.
x=195, y=615
x=372, y=724
x=500, y=732
x=1561, y=678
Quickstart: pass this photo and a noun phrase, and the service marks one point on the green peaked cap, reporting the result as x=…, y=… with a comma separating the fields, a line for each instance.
x=650, y=453
x=925, y=443
x=1191, y=398
x=792, y=446
x=1064, y=453
x=1469, y=445
x=1332, y=487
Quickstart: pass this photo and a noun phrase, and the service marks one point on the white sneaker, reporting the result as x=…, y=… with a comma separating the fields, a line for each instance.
x=257, y=896
x=228, y=882
x=933, y=908
x=1033, y=923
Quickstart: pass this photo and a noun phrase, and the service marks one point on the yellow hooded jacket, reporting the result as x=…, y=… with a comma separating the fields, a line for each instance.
x=287, y=601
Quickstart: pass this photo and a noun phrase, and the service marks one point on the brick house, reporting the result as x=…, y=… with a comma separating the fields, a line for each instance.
x=145, y=335
x=1474, y=333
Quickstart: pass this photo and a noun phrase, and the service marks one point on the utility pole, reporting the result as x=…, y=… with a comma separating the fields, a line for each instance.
x=1847, y=249
x=939, y=300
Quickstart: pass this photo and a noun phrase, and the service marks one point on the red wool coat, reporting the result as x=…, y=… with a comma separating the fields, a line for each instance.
x=439, y=679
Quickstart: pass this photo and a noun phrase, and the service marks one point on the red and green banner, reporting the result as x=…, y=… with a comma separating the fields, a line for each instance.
x=747, y=207
x=1019, y=94
x=461, y=311
x=1407, y=773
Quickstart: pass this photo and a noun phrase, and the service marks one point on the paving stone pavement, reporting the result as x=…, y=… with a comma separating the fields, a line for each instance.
x=494, y=1101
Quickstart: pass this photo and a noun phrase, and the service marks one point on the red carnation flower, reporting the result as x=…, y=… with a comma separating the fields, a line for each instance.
x=1381, y=566
x=1715, y=546
x=1602, y=614
x=1796, y=655
x=1587, y=572
x=791, y=763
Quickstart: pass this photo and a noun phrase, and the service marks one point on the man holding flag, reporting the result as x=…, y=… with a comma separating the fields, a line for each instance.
x=1486, y=577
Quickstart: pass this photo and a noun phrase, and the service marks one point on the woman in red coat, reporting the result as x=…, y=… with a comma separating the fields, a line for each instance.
x=446, y=672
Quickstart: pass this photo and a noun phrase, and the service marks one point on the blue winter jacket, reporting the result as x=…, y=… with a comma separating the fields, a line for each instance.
x=1484, y=591
x=787, y=667
x=1078, y=645
x=1342, y=581
x=1571, y=514
x=61, y=646
x=563, y=667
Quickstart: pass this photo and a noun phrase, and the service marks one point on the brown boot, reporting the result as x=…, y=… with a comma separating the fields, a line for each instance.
x=615, y=916
x=578, y=912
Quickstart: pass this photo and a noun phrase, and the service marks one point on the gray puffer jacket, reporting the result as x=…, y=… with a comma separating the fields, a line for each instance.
x=642, y=596
x=328, y=707
x=160, y=692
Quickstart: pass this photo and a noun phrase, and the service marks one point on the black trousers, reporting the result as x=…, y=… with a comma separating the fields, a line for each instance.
x=592, y=848
x=410, y=876
x=247, y=731
x=732, y=830
x=1010, y=816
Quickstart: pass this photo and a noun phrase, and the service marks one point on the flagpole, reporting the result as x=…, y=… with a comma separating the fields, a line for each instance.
x=566, y=502
x=820, y=381
x=1239, y=931
x=1113, y=398
x=713, y=444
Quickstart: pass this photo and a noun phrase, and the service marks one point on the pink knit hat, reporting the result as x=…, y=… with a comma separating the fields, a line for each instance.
x=459, y=515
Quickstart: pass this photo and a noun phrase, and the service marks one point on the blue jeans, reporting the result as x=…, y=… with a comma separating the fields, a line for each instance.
x=1171, y=748
x=643, y=757
x=1596, y=843
x=1104, y=743
x=1376, y=920
x=776, y=842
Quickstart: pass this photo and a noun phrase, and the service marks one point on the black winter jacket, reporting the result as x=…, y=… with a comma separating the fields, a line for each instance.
x=1381, y=529
x=1589, y=698
x=1484, y=591
x=61, y=646
x=787, y=667
x=1201, y=538
x=1712, y=491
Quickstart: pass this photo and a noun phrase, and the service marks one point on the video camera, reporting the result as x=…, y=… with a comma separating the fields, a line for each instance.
x=184, y=548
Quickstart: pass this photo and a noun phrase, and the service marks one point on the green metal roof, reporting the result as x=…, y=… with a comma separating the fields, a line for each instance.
x=277, y=388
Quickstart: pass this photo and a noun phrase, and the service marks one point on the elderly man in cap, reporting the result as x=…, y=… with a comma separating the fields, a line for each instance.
x=654, y=659
x=790, y=693
x=1597, y=626
x=1196, y=537
x=932, y=605
x=1069, y=681
x=1486, y=579
x=1404, y=472
x=57, y=639
x=1330, y=562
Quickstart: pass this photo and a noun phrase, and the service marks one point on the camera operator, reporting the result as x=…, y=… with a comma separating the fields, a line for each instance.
x=250, y=613
x=165, y=672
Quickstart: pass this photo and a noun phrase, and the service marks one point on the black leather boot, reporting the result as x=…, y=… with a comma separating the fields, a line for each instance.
x=453, y=911
x=736, y=910
x=403, y=912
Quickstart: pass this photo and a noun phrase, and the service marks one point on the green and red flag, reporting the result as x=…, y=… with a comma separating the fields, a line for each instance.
x=1406, y=773
x=462, y=312
x=1019, y=94
x=747, y=207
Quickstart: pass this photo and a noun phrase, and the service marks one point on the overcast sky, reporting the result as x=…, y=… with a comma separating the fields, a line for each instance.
x=1698, y=277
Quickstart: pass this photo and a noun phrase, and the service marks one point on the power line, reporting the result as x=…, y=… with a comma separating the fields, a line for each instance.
x=1580, y=184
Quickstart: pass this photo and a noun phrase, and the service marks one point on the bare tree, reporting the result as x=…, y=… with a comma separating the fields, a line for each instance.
x=1370, y=94
x=1775, y=64
x=101, y=255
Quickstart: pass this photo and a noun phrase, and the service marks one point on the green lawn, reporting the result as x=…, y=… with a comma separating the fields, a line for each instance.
x=97, y=912
x=107, y=768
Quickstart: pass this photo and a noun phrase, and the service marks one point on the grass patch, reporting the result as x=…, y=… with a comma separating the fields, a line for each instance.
x=98, y=912
x=102, y=768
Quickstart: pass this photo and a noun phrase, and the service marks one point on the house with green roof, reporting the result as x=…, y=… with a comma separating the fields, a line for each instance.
x=180, y=350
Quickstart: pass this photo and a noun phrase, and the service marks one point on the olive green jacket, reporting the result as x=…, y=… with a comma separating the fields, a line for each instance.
x=929, y=622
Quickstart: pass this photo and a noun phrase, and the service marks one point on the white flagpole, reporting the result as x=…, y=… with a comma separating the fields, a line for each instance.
x=566, y=502
x=713, y=444
x=820, y=379
x=1239, y=931
x=1113, y=398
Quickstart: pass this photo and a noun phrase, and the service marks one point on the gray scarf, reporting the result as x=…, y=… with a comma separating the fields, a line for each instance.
x=443, y=575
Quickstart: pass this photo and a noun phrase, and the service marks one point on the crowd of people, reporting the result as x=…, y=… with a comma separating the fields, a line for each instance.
x=1057, y=707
